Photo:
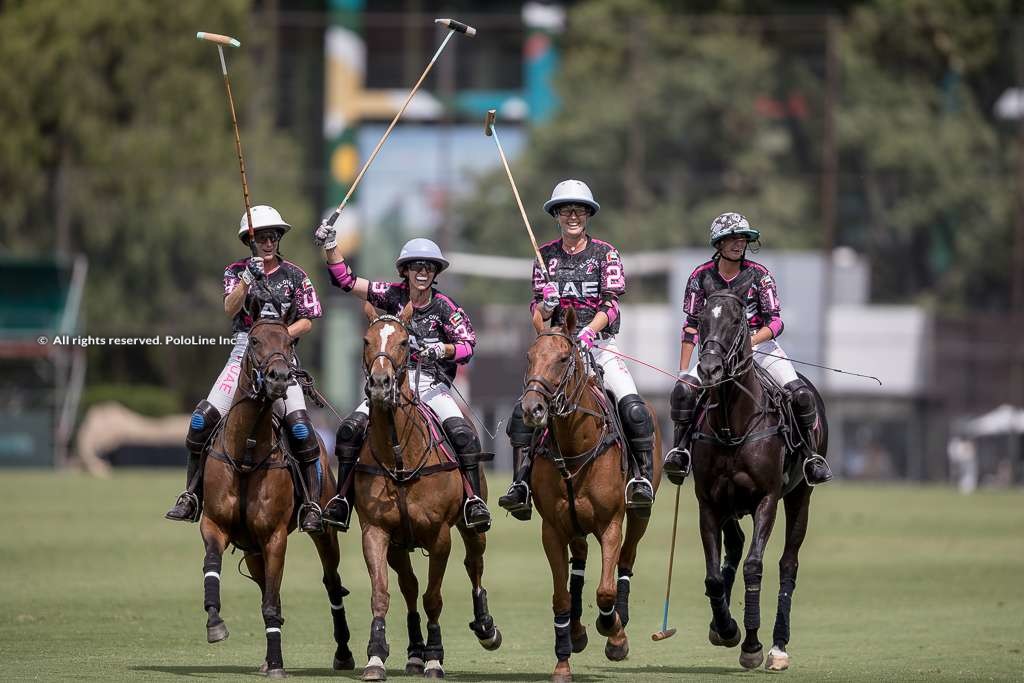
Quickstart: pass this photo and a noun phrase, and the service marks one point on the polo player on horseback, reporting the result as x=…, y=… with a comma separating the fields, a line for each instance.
x=444, y=339
x=265, y=285
x=586, y=274
x=730, y=235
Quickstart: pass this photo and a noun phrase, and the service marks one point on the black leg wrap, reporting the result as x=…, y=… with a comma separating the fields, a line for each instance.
x=622, y=595
x=211, y=584
x=780, y=635
x=576, y=588
x=413, y=625
x=728, y=579
x=341, y=632
x=482, y=624
x=563, y=638
x=378, y=646
x=275, y=660
x=434, y=649
x=720, y=619
x=752, y=609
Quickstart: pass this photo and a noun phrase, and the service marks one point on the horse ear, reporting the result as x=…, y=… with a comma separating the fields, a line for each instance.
x=570, y=320
x=406, y=315
x=369, y=311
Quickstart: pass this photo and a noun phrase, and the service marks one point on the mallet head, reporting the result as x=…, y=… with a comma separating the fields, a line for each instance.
x=489, y=122
x=218, y=38
x=457, y=26
x=662, y=635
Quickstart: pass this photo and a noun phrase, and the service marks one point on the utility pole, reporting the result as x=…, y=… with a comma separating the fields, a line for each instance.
x=829, y=175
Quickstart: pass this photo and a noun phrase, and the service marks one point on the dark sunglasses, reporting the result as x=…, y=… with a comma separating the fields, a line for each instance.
x=428, y=266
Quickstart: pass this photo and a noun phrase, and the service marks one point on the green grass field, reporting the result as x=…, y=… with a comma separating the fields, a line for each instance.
x=896, y=583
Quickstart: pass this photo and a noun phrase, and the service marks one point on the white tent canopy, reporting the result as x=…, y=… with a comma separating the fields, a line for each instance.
x=1003, y=420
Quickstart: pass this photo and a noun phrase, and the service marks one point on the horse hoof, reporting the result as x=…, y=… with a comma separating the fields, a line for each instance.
x=216, y=633
x=616, y=653
x=347, y=664
x=492, y=643
x=731, y=641
x=752, y=660
x=777, y=660
x=579, y=641
x=615, y=627
x=263, y=668
x=562, y=673
x=414, y=667
x=277, y=673
x=433, y=669
x=374, y=673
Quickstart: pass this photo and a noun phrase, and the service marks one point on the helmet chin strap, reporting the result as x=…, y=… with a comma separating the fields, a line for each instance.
x=733, y=260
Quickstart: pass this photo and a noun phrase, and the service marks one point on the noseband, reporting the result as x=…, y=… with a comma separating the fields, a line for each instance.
x=557, y=396
x=732, y=365
x=398, y=368
x=257, y=374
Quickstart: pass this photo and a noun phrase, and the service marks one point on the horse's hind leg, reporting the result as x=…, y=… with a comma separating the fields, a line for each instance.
x=577, y=573
x=733, y=554
x=558, y=558
x=433, y=651
x=216, y=540
x=724, y=630
x=798, y=506
x=483, y=624
x=752, y=654
x=407, y=583
x=609, y=623
x=273, y=561
x=330, y=557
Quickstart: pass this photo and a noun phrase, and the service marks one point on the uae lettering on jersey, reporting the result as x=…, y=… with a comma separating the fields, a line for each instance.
x=579, y=289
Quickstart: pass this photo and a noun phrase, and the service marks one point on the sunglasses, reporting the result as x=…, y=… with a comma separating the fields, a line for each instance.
x=570, y=209
x=428, y=266
x=273, y=237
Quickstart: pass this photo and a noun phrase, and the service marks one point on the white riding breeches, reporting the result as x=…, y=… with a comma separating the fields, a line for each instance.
x=223, y=391
x=777, y=364
x=434, y=393
x=617, y=379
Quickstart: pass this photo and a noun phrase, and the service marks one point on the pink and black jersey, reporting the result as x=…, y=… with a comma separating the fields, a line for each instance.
x=441, y=320
x=762, y=298
x=590, y=281
x=293, y=295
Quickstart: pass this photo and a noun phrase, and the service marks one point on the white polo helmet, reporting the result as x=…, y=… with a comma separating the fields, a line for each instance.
x=571, y=192
x=421, y=249
x=263, y=217
x=731, y=223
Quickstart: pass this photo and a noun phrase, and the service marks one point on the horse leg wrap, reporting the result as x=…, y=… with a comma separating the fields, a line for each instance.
x=622, y=595
x=211, y=580
x=272, y=621
x=780, y=635
x=563, y=638
x=576, y=569
x=415, y=630
x=378, y=646
x=434, y=649
x=728, y=579
x=342, y=635
x=482, y=624
x=720, y=618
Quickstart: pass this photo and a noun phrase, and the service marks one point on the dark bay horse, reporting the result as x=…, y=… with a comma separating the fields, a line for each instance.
x=579, y=489
x=740, y=467
x=249, y=497
x=408, y=494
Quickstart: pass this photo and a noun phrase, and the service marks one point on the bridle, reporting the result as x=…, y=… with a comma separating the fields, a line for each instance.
x=257, y=373
x=562, y=399
x=399, y=368
x=733, y=364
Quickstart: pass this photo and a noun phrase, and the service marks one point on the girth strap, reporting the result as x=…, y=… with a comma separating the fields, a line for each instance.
x=401, y=477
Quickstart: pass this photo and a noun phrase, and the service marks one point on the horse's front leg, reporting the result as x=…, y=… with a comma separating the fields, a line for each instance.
x=577, y=573
x=798, y=506
x=273, y=563
x=216, y=540
x=433, y=651
x=558, y=557
x=482, y=626
x=724, y=630
x=752, y=653
x=330, y=557
x=399, y=560
x=609, y=623
x=375, y=549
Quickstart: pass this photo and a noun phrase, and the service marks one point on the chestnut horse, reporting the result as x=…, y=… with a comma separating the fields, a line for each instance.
x=579, y=489
x=408, y=494
x=740, y=468
x=249, y=497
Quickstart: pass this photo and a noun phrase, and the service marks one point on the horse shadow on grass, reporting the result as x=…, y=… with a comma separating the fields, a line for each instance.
x=202, y=671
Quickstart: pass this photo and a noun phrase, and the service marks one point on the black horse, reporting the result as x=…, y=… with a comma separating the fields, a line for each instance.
x=743, y=463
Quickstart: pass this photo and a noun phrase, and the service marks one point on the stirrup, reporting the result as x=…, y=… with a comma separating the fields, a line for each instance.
x=672, y=469
x=816, y=459
x=631, y=487
x=522, y=511
x=197, y=509
x=481, y=525
x=304, y=510
x=337, y=516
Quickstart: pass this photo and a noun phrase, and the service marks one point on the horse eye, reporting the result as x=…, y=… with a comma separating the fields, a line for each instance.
x=404, y=342
x=366, y=342
x=255, y=342
x=564, y=359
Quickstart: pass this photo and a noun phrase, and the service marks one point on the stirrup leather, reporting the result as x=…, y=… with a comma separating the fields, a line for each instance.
x=196, y=507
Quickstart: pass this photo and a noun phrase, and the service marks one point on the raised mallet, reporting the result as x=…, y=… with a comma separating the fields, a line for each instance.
x=454, y=27
x=491, y=131
x=221, y=41
x=665, y=631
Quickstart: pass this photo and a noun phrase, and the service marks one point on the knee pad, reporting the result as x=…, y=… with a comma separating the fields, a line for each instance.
x=204, y=418
x=635, y=415
x=462, y=435
x=683, y=400
x=519, y=435
x=302, y=436
x=803, y=397
x=352, y=430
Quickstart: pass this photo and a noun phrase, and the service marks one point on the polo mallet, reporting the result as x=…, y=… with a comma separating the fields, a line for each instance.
x=454, y=27
x=233, y=42
x=491, y=131
x=665, y=631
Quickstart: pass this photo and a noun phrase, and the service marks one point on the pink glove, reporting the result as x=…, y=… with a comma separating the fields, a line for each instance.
x=342, y=275
x=550, y=297
x=587, y=337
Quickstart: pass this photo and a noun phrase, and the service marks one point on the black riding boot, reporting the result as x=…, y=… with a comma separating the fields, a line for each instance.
x=306, y=450
x=815, y=468
x=467, y=449
x=517, y=499
x=348, y=443
x=677, y=462
x=639, y=426
x=190, y=503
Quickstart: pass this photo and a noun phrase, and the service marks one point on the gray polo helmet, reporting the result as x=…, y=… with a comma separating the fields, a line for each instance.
x=421, y=249
x=731, y=223
x=571, y=192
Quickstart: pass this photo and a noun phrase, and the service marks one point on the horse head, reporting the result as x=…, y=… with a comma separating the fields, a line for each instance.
x=552, y=362
x=385, y=355
x=722, y=329
x=267, y=361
